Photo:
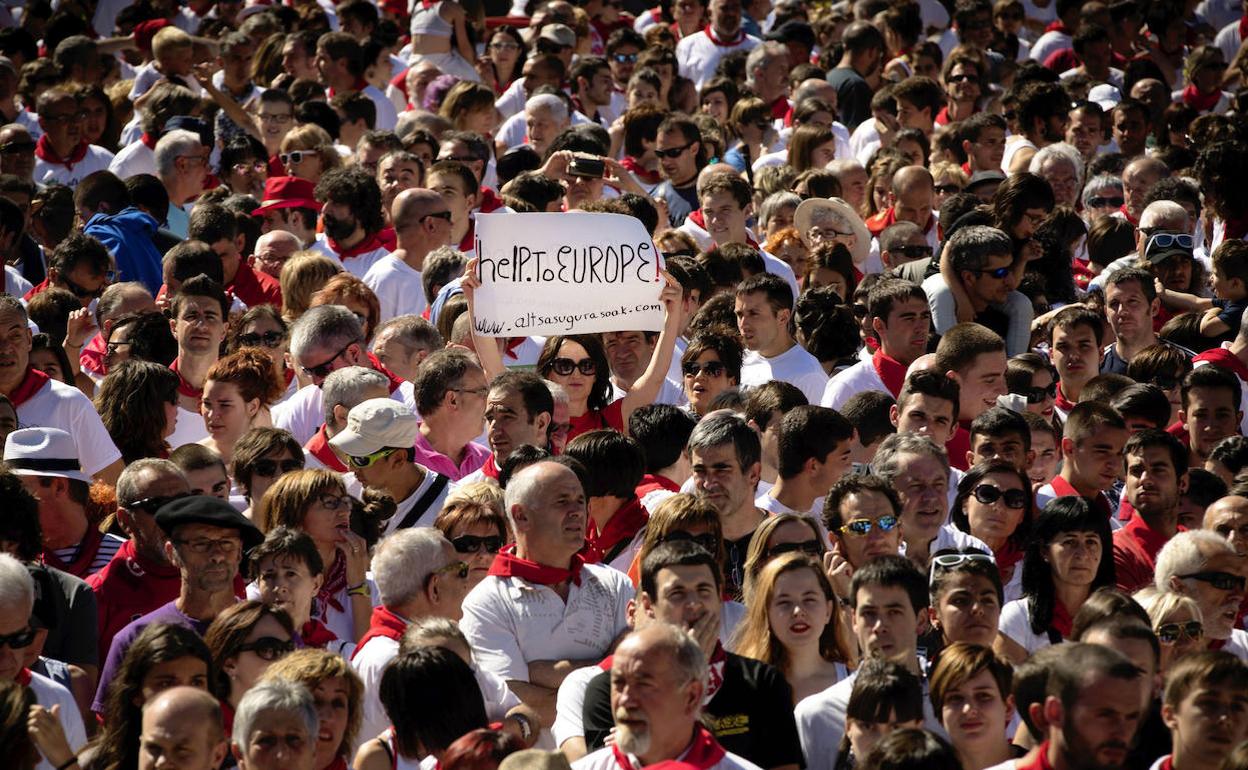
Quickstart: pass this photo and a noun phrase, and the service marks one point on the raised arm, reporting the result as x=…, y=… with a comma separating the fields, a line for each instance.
x=487, y=348
x=646, y=389
x=233, y=110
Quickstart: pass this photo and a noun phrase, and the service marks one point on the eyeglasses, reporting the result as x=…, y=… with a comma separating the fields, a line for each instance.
x=998, y=273
x=989, y=494
x=279, y=119
x=269, y=468
x=476, y=543
x=1101, y=202
x=1170, y=633
x=110, y=349
x=458, y=569
x=63, y=118
x=153, y=504
x=808, y=547
x=334, y=502
x=366, y=461
x=673, y=152
x=195, y=159
x=564, y=366
x=294, y=156
x=913, y=252
x=202, y=545
x=707, y=540
x=269, y=648
x=1166, y=240
x=1037, y=395
x=325, y=369
x=19, y=639
x=711, y=368
x=258, y=166
x=951, y=560
x=16, y=148
x=504, y=45
x=480, y=392
x=863, y=527
x=1223, y=581
x=267, y=339
x=624, y=58
x=826, y=234
x=437, y=215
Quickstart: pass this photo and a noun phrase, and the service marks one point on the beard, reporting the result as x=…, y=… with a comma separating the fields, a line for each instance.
x=631, y=740
x=338, y=229
x=1082, y=755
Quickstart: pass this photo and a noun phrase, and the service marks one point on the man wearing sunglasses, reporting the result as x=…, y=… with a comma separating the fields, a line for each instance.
x=80, y=265
x=902, y=321
x=862, y=516
x=983, y=261
x=678, y=145
x=1156, y=469
x=1202, y=565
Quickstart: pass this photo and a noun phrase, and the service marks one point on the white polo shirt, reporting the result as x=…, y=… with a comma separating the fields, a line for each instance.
x=96, y=159
x=604, y=759
x=134, y=158
x=510, y=621
x=57, y=405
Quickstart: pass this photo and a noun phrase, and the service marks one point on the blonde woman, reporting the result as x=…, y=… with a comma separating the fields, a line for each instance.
x=1177, y=621
x=339, y=697
x=305, y=273
x=470, y=107
x=308, y=152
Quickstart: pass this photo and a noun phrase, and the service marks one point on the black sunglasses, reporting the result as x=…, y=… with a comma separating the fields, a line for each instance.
x=1036, y=395
x=269, y=648
x=1165, y=383
x=325, y=369
x=914, y=252
x=268, y=339
x=475, y=543
x=988, y=494
x=269, y=468
x=712, y=368
x=153, y=504
x=1102, y=202
x=565, y=366
x=19, y=639
x=1223, y=581
x=16, y=148
x=673, y=152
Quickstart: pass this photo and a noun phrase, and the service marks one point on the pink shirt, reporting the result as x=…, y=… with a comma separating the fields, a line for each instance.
x=475, y=456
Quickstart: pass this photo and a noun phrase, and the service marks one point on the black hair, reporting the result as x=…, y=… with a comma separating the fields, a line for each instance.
x=1062, y=515
x=615, y=461
x=661, y=430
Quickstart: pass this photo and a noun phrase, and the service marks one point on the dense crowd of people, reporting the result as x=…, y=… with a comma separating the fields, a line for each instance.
x=937, y=458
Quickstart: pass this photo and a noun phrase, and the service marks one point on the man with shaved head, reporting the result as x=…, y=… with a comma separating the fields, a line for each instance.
x=1228, y=518
x=272, y=250
x=182, y=722
x=1138, y=178
x=909, y=200
x=422, y=223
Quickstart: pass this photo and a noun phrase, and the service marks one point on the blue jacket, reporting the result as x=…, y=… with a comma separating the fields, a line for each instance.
x=128, y=235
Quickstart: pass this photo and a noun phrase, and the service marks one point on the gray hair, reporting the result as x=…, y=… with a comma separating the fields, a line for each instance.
x=423, y=632
x=557, y=392
x=113, y=298
x=273, y=695
x=844, y=166
x=1098, y=183
x=685, y=653
x=898, y=234
x=1165, y=214
x=347, y=387
x=549, y=102
x=761, y=56
x=412, y=333
x=1183, y=554
x=1059, y=151
x=887, y=461
x=325, y=326
x=177, y=142
x=404, y=560
x=726, y=428
x=130, y=484
x=17, y=589
x=774, y=202
x=11, y=304
x=970, y=247
x=522, y=488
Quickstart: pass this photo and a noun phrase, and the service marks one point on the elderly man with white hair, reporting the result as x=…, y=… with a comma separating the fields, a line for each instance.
x=17, y=601
x=542, y=611
x=275, y=727
x=1060, y=165
x=182, y=164
x=419, y=575
x=545, y=115
x=1158, y=216
x=1204, y=566
x=274, y=248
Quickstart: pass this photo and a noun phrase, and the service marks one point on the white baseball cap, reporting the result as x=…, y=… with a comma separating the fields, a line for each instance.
x=376, y=424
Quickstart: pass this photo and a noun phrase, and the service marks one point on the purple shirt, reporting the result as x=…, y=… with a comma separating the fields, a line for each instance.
x=475, y=456
x=168, y=613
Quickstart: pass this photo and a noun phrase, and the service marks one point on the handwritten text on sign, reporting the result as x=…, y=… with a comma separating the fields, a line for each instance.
x=566, y=273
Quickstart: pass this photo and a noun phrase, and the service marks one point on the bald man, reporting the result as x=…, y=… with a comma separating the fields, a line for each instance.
x=909, y=200
x=1138, y=178
x=422, y=223
x=182, y=723
x=1228, y=518
x=272, y=250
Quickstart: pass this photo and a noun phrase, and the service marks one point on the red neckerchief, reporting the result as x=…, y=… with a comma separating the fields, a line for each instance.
x=1217, y=644
x=489, y=201
x=1062, y=619
x=737, y=39
x=42, y=286
x=1225, y=359
x=469, y=241
x=45, y=153
x=81, y=565
x=315, y=634
x=891, y=371
x=1167, y=762
x=1041, y=761
x=395, y=380
x=490, y=469
x=580, y=107
x=388, y=237
x=1060, y=400
x=227, y=717
x=370, y=243
x=1234, y=229
x=31, y=384
x=507, y=564
x=966, y=168
x=622, y=525
x=1057, y=26
x=382, y=623
x=23, y=677
x=880, y=222
x=1007, y=556
x=1243, y=27
x=512, y=344
x=652, y=482
x=1123, y=210
x=335, y=581
x=148, y=141
x=715, y=672
x=141, y=566
x=942, y=117
x=319, y=448
x=704, y=752
x=1198, y=101
x=185, y=388
x=359, y=85
x=780, y=107
x=958, y=445
x=289, y=376
x=640, y=171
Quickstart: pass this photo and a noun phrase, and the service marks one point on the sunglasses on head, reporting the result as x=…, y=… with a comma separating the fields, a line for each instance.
x=1170, y=633
x=1104, y=202
x=711, y=368
x=673, y=152
x=808, y=547
x=19, y=639
x=951, y=560
x=270, y=468
x=565, y=366
x=1166, y=240
x=153, y=504
x=707, y=541
x=269, y=648
x=1036, y=395
x=1223, y=581
x=475, y=543
x=863, y=527
x=989, y=494
x=267, y=339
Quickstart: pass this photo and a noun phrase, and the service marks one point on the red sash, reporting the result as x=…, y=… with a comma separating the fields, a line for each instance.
x=891, y=371
x=622, y=525
x=1006, y=558
x=1225, y=359
x=315, y=634
x=382, y=623
x=185, y=388
x=1198, y=101
x=319, y=448
x=737, y=39
x=81, y=564
x=45, y=153
x=31, y=384
x=704, y=752
x=507, y=564
x=370, y=243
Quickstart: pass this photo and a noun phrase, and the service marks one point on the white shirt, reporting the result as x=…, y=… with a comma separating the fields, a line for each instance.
x=1050, y=43
x=303, y=413
x=404, y=507
x=397, y=286
x=48, y=694
x=604, y=758
x=147, y=76
x=864, y=141
x=57, y=405
x=671, y=392
x=96, y=159
x=189, y=428
x=15, y=285
x=855, y=379
x=370, y=663
x=1015, y=624
x=510, y=621
x=698, y=55
x=513, y=99
x=1237, y=644
x=134, y=158
x=774, y=506
x=387, y=115
x=795, y=366
x=357, y=265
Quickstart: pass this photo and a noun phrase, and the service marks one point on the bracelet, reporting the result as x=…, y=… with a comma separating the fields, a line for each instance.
x=526, y=727
x=73, y=760
x=360, y=590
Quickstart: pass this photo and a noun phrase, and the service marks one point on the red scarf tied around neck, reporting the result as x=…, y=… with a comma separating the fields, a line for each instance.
x=31, y=384
x=737, y=39
x=384, y=624
x=892, y=372
x=1198, y=101
x=335, y=582
x=45, y=153
x=507, y=564
x=704, y=752
x=1060, y=400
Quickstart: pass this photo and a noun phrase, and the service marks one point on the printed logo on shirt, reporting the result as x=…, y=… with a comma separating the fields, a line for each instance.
x=728, y=724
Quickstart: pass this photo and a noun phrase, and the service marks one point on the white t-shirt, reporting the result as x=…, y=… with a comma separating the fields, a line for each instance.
x=357, y=265
x=405, y=506
x=510, y=621
x=698, y=56
x=604, y=759
x=794, y=366
x=57, y=405
x=370, y=663
x=189, y=429
x=513, y=99
x=1015, y=623
x=134, y=158
x=850, y=381
x=397, y=286
x=671, y=393
x=48, y=694
x=1237, y=644
x=304, y=413
x=96, y=159
x=387, y=115
x=1050, y=43
x=147, y=76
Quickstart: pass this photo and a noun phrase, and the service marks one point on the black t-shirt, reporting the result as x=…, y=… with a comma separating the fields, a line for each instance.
x=751, y=715
x=996, y=320
x=853, y=96
x=734, y=565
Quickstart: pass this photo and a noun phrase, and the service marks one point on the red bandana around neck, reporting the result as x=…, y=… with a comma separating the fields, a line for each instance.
x=1062, y=619
x=31, y=384
x=383, y=623
x=81, y=564
x=185, y=388
x=315, y=634
x=335, y=582
x=622, y=525
x=704, y=752
x=319, y=448
x=1008, y=556
x=507, y=564
x=490, y=469
x=370, y=243
x=715, y=673
x=737, y=39
x=24, y=677
x=1057, y=26
x=395, y=380
x=641, y=172
x=148, y=140
x=1039, y=762
x=1225, y=359
x=1243, y=27
x=45, y=153
x=891, y=371
x=1198, y=101
x=1060, y=400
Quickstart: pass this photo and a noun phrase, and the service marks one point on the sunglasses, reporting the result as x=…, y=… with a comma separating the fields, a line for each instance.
x=565, y=366
x=674, y=152
x=1036, y=395
x=269, y=648
x=999, y=273
x=268, y=339
x=476, y=543
x=808, y=547
x=1100, y=202
x=1170, y=633
x=952, y=560
x=366, y=461
x=458, y=569
x=83, y=293
x=863, y=527
x=707, y=541
x=916, y=252
x=18, y=640
x=963, y=78
x=712, y=368
x=269, y=468
x=294, y=156
x=624, y=58
x=323, y=370
x=1223, y=581
x=988, y=494
x=153, y=504
x=1166, y=240
x=944, y=189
